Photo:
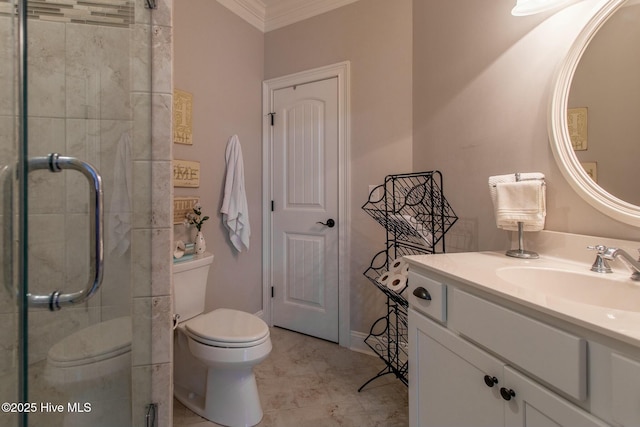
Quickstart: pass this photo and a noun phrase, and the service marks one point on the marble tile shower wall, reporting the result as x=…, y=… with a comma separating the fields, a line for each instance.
x=152, y=234
x=79, y=105
x=80, y=109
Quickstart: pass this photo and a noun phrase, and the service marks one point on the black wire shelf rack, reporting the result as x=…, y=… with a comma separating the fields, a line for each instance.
x=416, y=216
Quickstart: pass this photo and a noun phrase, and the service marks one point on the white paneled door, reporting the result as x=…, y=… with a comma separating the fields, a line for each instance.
x=304, y=221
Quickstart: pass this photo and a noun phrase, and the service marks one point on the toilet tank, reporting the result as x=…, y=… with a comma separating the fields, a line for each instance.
x=190, y=285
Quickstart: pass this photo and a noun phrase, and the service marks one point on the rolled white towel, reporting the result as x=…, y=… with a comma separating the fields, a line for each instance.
x=179, y=249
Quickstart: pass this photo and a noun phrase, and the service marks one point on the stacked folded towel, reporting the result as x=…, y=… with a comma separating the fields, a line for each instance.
x=519, y=201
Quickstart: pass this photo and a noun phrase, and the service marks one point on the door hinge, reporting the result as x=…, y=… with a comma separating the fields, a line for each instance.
x=272, y=292
x=273, y=206
x=272, y=115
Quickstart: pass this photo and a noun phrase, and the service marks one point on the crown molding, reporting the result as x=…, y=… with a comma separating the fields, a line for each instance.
x=252, y=11
x=288, y=12
x=278, y=14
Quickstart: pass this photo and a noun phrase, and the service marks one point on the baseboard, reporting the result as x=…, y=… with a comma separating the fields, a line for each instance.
x=358, y=344
x=357, y=339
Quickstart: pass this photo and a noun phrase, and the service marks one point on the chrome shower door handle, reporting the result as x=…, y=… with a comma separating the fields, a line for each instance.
x=56, y=163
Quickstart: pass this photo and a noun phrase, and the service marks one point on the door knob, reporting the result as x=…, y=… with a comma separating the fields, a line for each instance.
x=330, y=223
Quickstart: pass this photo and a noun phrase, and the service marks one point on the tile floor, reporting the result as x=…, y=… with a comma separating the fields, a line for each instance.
x=307, y=382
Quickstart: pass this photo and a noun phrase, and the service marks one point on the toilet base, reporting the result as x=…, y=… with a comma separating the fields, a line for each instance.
x=232, y=397
x=222, y=390
x=231, y=400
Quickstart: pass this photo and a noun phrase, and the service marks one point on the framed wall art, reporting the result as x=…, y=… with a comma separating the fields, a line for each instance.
x=182, y=206
x=182, y=117
x=186, y=173
x=591, y=168
x=577, y=124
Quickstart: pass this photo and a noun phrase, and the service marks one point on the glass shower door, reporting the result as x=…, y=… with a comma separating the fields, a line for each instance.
x=11, y=327
x=74, y=72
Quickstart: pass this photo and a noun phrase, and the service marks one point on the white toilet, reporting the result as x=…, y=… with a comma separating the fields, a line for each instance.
x=214, y=353
x=93, y=365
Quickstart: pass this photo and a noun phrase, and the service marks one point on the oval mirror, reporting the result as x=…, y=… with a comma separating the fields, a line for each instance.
x=588, y=130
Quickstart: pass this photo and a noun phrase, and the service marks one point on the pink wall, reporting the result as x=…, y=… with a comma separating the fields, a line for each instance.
x=482, y=81
x=460, y=86
x=219, y=58
x=375, y=36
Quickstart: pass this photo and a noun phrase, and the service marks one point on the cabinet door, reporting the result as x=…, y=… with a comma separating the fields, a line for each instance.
x=625, y=390
x=534, y=406
x=446, y=379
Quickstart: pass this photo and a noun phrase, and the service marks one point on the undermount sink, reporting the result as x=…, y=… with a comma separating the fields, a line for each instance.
x=613, y=291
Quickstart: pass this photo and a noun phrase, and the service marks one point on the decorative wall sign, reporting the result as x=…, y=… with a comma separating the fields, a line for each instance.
x=182, y=117
x=577, y=124
x=182, y=206
x=186, y=173
x=591, y=168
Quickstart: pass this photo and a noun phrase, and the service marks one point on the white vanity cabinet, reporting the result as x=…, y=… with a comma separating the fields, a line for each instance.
x=625, y=390
x=474, y=364
x=446, y=379
x=615, y=385
x=536, y=406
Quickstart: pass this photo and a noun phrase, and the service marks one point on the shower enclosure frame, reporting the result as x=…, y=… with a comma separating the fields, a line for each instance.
x=151, y=228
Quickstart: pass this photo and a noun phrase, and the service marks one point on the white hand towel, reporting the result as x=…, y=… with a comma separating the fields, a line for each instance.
x=119, y=216
x=522, y=201
x=493, y=180
x=524, y=177
x=235, y=211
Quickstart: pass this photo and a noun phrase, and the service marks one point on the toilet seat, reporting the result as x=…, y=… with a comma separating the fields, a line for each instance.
x=101, y=341
x=227, y=328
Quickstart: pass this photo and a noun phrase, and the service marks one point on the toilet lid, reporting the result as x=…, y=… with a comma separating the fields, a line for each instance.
x=101, y=341
x=230, y=328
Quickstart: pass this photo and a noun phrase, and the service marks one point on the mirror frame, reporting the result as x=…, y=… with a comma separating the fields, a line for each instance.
x=559, y=137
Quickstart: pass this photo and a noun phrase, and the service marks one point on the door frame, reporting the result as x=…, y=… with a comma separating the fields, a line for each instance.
x=341, y=71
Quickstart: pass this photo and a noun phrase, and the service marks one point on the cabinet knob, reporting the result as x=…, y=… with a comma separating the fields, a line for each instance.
x=507, y=394
x=490, y=381
x=422, y=293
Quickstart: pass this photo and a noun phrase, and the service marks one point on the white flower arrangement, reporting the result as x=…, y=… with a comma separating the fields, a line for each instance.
x=195, y=217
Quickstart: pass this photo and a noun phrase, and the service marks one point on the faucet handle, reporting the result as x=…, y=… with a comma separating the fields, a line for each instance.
x=600, y=248
x=600, y=265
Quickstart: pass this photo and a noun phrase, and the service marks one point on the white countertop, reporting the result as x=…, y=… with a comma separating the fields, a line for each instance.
x=479, y=270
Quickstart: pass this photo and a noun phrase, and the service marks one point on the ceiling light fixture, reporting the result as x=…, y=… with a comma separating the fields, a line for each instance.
x=530, y=7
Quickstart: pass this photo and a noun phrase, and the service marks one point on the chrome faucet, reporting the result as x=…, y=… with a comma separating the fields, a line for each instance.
x=600, y=265
x=613, y=254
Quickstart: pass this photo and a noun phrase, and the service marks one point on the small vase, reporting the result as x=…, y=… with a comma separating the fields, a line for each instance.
x=201, y=245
